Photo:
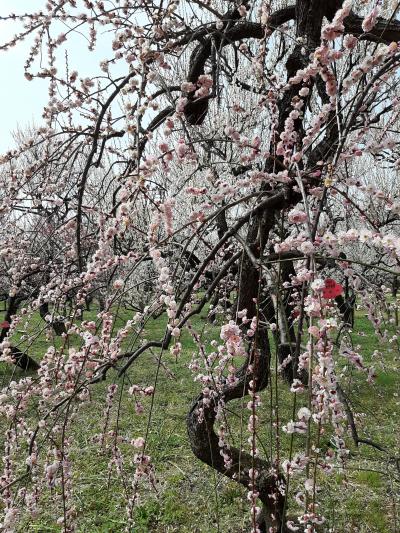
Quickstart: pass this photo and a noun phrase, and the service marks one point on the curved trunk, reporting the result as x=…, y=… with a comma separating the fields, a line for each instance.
x=270, y=484
x=204, y=443
x=202, y=416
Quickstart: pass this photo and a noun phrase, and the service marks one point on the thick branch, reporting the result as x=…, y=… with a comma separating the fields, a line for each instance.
x=21, y=359
x=384, y=31
x=196, y=110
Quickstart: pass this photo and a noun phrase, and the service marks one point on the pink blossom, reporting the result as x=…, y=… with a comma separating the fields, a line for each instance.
x=205, y=80
x=304, y=91
x=163, y=147
x=181, y=149
x=181, y=104
x=349, y=41
x=242, y=10
x=307, y=247
x=297, y=386
x=303, y=413
x=175, y=332
x=314, y=331
x=188, y=87
x=296, y=216
x=370, y=20
x=139, y=442
x=118, y=284
x=168, y=215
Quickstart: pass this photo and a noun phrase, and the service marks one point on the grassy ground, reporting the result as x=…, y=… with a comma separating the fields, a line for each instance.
x=189, y=496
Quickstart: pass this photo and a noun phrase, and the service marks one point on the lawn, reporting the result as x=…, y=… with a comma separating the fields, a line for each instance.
x=190, y=497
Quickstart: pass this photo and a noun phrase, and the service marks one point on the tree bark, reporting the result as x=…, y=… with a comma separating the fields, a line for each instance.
x=21, y=359
x=57, y=325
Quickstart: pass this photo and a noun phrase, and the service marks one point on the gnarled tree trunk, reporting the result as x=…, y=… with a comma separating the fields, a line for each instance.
x=270, y=485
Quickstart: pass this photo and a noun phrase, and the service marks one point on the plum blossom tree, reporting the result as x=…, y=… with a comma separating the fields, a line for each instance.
x=215, y=156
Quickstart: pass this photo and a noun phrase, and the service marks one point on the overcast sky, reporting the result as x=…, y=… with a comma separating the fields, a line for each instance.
x=21, y=101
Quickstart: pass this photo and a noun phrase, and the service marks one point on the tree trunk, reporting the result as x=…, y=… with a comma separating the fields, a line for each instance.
x=21, y=359
x=57, y=325
x=270, y=485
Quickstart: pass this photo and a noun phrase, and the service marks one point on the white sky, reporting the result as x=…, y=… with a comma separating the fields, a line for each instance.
x=21, y=101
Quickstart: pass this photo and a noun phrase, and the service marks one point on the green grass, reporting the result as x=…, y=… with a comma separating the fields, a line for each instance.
x=190, y=497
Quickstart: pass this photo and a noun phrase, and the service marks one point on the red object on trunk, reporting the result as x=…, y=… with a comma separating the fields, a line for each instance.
x=4, y=324
x=332, y=289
